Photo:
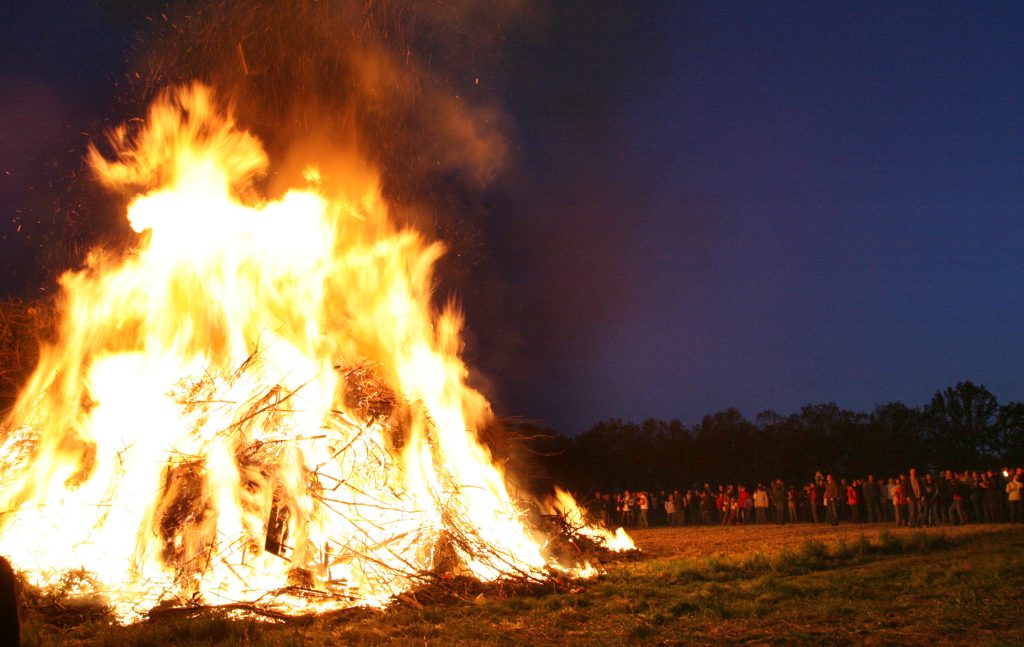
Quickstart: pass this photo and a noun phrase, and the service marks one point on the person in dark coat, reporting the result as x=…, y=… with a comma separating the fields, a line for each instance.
x=871, y=498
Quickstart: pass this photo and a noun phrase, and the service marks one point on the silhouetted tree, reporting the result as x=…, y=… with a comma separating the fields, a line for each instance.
x=962, y=427
x=1010, y=421
x=894, y=440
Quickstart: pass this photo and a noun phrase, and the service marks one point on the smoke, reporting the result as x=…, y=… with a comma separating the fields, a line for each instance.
x=491, y=124
x=380, y=78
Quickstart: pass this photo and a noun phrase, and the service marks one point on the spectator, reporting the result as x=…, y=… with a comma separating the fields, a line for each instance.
x=679, y=500
x=748, y=505
x=831, y=500
x=851, y=500
x=913, y=495
x=761, y=503
x=970, y=496
x=869, y=490
x=1015, y=496
x=898, y=501
x=929, y=492
x=778, y=498
x=973, y=483
x=956, y=493
x=886, y=489
x=706, y=506
x=729, y=506
x=812, y=500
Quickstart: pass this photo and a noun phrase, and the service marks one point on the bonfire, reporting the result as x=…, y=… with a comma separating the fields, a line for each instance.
x=259, y=404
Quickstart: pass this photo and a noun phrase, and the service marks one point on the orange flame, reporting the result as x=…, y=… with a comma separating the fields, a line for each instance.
x=215, y=422
x=565, y=505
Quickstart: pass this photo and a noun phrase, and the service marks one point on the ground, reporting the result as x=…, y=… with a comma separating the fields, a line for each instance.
x=793, y=584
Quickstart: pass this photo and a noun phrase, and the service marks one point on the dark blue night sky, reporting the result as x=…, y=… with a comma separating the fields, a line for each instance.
x=834, y=213
x=759, y=205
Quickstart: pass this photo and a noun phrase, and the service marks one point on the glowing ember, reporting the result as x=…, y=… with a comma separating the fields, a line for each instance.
x=259, y=403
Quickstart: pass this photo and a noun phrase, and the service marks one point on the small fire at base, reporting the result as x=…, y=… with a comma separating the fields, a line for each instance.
x=259, y=403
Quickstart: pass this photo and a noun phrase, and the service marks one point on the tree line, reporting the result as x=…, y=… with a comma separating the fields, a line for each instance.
x=962, y=427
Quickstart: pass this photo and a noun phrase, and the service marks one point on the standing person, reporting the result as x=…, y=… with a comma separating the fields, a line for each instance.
x=729, y=506
x=1015, y=497
x=691, y=504
x=779, y=501
x=886, y=488
x=928, y=492
x=598, y=510
x=679, y=506
x=870, y=492
x=842, y=500
x=957, y=492
x=761, y=504
x=997, y=488
x=670, y=510
x=898, y=500
x=831, y=499
x=812, y=499
x=945, y=496
x=609, y=507
x=791, y=503
x=642, y=505
x=983, y=497
x=853, y=502
x=706, y=506
x=741, y=504
x=748, y=506
x=680, y=502
x=973, y=483
x=913, y=499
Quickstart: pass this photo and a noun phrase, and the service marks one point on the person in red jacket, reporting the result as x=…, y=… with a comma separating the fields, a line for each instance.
x=852, y=501
x=741, y=504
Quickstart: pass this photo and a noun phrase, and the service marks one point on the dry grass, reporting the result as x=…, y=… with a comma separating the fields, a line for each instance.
x=694, y=542
x=802, y=584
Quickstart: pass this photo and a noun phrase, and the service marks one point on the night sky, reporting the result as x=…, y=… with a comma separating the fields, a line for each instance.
x=759, y=205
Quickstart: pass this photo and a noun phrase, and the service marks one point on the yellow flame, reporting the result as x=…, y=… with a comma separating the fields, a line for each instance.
x=565, y=505
x=192, y=436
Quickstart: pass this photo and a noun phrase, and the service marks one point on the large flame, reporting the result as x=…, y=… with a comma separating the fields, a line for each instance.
x=259, y=403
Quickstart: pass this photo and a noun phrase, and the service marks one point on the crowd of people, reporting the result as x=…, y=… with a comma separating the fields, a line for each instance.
x=911, y=499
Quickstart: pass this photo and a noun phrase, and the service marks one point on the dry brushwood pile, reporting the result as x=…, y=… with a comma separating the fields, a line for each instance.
x=357, y=487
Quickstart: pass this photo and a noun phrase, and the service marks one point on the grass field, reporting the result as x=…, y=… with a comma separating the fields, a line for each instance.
x=759, y=585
